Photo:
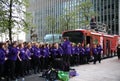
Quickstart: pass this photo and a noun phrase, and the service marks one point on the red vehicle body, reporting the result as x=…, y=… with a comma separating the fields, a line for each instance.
x=108, y=42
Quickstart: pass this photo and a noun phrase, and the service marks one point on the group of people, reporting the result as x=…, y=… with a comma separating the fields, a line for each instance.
x=18, y=59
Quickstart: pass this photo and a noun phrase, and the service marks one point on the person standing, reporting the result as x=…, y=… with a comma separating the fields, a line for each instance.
x=12, y=58
x=87, y=53
x=36, y=58
x=28, y=58
x=67, y=50
x=118, y=51
x=2, y=60
x=45, y=57
x=99, y=49
x=21, y=58
x=95, y=54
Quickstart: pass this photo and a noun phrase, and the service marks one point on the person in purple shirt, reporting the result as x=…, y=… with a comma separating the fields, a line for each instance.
x=95, y=53
x=77, y=55
x=73, y=56
x=82, y=54
x=12, y=58
x=87, y=53
x=28, y=58
x=45, y=56
x=2, y=60
x=99, y=49
x=67, y=50
x=21, y=58
x=36, y=58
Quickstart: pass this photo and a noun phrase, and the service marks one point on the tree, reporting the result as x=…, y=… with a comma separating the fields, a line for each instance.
x=68, y=21
x=85, y=11
x=13, y=15
x=77, y=16
x=51, y=24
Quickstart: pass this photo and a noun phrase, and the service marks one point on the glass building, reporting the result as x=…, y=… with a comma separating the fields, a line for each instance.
x=108, y=13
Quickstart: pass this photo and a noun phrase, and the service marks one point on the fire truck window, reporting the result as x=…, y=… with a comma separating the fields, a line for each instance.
x=88, y=39
x=74, y=36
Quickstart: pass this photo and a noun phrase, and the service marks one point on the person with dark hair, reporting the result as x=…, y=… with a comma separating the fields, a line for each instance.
x=67, y=50
x=99, y=49
x=73, y=59
x=118, y=51
x=45, y=57
x=87, y=53
x=12, y=58
x=28, y=58
x=82, y=54
x=21, y=58
x=95, y=54
x=36, y=58
x=2, y=60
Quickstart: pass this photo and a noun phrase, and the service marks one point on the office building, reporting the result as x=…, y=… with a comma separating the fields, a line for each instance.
x=108, y=13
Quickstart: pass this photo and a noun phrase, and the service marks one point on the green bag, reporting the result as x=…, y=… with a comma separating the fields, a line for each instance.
x=63, y=76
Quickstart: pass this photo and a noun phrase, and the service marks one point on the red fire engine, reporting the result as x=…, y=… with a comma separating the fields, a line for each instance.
x=108, y=42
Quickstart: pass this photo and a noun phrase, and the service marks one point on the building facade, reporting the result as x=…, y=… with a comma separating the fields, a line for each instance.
x=108, y=13
x=40, y=10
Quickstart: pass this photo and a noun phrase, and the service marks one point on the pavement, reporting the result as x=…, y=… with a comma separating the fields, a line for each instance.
x=107, y=70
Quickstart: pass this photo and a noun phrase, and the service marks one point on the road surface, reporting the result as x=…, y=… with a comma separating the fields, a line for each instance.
x=107, y=70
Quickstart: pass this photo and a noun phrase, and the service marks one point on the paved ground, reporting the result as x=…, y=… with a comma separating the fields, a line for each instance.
x=107, y=70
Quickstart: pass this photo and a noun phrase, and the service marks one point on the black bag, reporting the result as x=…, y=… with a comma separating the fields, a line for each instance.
x=61, y=65
x=51, y=74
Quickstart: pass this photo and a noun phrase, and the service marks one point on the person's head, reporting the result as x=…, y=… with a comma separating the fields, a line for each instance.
x=21, y=45
x=37, y=45
x=94, y=46
x=88, y=45
x=56, y=45
x=65, y=38
x=73, y=44
x=28, y=45
x=2, y=45
x=79, y=45
x=14, y=44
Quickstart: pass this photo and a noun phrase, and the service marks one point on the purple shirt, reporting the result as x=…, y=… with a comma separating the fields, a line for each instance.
x=13, y=54
x=67, y=47
x=22, y=53
x=37, y=52
x=2, y=56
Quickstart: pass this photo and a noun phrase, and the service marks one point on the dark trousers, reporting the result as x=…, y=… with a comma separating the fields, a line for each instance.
x=66, y=58
x=118, y=54
x=77, y=59
x=12, y=67
x=97, y=57
x=1, y=70
x=45, y=62
x=6, y=68
x=87, y=57
x=36, y=65
x=27, y=66
x=22, y=67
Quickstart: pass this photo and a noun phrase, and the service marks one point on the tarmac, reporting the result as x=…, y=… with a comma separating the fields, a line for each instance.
x=107, y=70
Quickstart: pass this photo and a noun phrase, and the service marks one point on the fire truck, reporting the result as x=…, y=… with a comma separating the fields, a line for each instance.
x=108, y=42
